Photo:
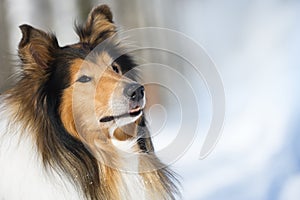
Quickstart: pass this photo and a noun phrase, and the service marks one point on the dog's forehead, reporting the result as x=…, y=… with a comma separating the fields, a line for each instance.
x=83, y=51
x=100, y=62
x=103, y=55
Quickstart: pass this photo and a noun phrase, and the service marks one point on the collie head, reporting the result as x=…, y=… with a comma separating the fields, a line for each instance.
x=84, y=111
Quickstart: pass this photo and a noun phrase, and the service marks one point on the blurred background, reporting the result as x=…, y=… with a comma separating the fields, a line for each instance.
x=255, y=46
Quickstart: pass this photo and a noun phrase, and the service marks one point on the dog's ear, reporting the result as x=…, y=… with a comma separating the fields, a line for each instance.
x=98, y=26
x=36, y=47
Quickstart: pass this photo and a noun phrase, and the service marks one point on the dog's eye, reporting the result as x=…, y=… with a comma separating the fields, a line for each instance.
x=115, y=68
x=84, y=79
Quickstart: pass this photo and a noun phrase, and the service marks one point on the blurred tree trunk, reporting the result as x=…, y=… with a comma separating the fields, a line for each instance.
x=84, y=7
x=5, y=66
x=43, y=11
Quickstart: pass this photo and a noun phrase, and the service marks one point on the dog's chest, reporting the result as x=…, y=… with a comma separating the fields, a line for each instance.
x=132, y=185
x=23, y=175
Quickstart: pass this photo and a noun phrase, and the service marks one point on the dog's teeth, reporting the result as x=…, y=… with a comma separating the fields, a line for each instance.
x=135, y=110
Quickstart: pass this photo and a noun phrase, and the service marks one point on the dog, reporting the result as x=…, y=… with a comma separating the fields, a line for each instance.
x=73, y=126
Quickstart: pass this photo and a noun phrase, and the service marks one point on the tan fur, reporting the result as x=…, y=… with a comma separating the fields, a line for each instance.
x=126, y=132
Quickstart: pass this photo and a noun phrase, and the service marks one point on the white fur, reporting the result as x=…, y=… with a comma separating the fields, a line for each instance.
x=22, y=175
x=132, y=183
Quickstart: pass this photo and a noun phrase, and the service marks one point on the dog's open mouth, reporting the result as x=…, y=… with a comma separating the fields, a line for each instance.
x=136, y=111
x=132, y=113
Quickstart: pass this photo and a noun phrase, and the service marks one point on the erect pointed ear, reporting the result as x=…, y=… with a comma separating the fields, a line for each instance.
x=98, y=26
x=36, y=47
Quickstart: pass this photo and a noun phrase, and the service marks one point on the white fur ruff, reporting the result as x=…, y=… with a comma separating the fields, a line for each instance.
x=21, y=170
x=23, y=176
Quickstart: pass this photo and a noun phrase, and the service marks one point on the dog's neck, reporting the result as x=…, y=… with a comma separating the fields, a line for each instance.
x=124, y=141
x=126, y=156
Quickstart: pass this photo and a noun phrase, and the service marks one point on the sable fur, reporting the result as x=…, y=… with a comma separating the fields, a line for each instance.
x=36, y=101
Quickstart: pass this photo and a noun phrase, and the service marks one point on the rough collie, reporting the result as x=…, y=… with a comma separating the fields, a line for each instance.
x=73, y=125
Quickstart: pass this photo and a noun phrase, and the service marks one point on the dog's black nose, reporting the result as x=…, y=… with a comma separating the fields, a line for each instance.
x=134, y=91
